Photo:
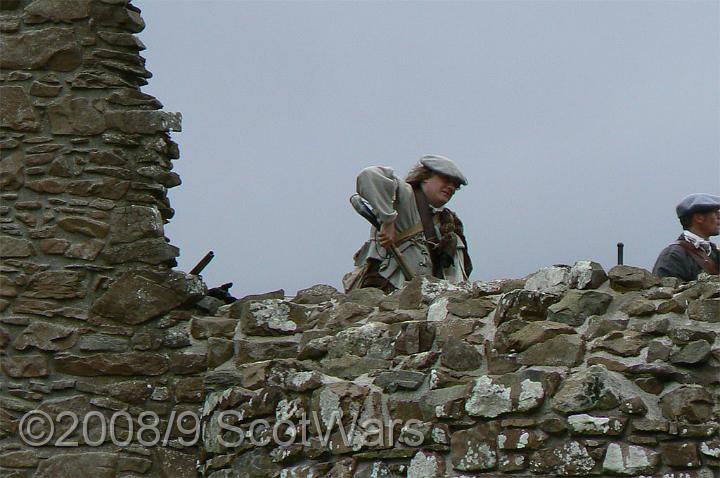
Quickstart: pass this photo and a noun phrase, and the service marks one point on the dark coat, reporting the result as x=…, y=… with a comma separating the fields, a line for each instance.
x=674, y=261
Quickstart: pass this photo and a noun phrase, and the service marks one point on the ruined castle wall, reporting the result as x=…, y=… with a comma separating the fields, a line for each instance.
x=562, y=374
x=87, y=290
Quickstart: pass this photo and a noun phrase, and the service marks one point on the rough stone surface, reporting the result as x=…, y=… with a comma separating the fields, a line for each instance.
x=134, y=298
x=692, y=403
x=625, y=278
x=629, y=460
x=576, y=306
x=16, y=112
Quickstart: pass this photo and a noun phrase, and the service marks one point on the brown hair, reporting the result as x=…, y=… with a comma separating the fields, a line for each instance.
x=418, y=174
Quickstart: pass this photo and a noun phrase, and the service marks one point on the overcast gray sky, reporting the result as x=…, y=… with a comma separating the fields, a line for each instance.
x=579, y=124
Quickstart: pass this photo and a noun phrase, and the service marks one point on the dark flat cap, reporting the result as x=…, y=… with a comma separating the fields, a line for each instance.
x=698, y=202
x=443, y=165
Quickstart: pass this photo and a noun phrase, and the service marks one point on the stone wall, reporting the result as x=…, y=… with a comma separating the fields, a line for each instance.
x=561, y=374
x=87, y=289
x=565, y=373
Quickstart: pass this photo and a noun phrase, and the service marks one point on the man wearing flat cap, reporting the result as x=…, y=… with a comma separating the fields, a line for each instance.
x=693, y=252
x=413, y=217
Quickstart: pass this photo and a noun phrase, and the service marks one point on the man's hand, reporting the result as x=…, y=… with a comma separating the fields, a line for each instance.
x=387, y=234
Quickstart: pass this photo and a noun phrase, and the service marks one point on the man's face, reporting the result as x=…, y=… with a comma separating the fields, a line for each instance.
x=708, y=223
x=439, y=189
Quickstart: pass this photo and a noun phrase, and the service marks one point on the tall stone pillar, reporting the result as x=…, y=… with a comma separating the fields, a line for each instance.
x=86, y=284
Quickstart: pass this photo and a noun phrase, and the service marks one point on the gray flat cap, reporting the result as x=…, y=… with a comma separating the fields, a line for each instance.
x=443, y=165
x=698, y=202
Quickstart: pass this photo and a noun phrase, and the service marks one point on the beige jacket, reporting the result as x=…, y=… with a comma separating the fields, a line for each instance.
x=393, y=199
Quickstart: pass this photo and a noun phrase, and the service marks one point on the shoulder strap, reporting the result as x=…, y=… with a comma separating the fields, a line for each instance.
x=460, y=231
x=428, y=228
x=706, y=263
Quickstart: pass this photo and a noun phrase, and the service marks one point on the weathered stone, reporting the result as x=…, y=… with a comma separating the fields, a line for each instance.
x=562, y=350
x=4, y=338
x=474, y=449
x=135, y=222
x=134, y=298
x=176, y=338
x=16, y=112
x=14, y=247
x=141, y=121
x=219, y=351
x=189, y=389
x=149, y=251
x=626, y=278
x=599, y=326
x=693, y=353
x=75, y=116
x=247, y=351
x=54, y=246
x=414, y=337
x=672, y=305
x=584, y=424
x=592, y=389
x=710, y=448
x=19, y=459
x=88, y=227
x=423, y=290
x=25, y=366
x=425, y=464
x=86, y=250
x=576, y=306
x=108, y=188
x=47, y=186
x=316, y=294
x=443, y=402
x=400, y=379
x=40, y=11
x=692, y=403
x=657, y=326
x=44, y=336
x=523, y=304
x=458, y=355
x=12, y=172
x=55, y=285
x=685, y=335
x=634, y=406
x=466, y=308
x=314, y=348
x=552, y=280
x=175, y=463
x=350, y=367
x=271, y=317
x=203, y=328
x=624, y=343
x=627, y=460
x=45, y=90
x=133, y=391
x=587, y=275
x=130, y=363
x=343, y=316
x=520, y=439
x=680, y=454
x=535, y=333
x=639, y=307
x=490, y=397
x=95, y=464
x=370, y=340
x=103, y=343
x=707, y=310
x=570, y=458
